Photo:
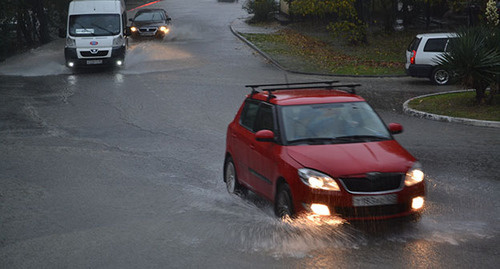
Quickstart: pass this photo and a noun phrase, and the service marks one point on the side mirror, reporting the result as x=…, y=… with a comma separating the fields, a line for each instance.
x=169, y=19
x=131, y=19
x=62, y=33
x=395, y=128
x=264, y=136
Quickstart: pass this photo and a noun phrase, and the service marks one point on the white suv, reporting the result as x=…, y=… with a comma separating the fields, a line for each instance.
x=421, y=57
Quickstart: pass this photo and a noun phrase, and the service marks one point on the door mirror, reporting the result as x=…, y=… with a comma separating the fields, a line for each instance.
x=264, y=136
x=128, y=32
x=395, y=128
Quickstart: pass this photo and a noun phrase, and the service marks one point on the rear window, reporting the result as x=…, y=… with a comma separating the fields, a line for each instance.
x=414, y=44
x=436, y=45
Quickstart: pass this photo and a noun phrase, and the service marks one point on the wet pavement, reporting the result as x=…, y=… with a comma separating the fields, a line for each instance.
x=123, y=168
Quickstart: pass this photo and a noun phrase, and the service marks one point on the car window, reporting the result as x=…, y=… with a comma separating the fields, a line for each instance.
x=265, y=119
x=249, y=114
x=414, y=44
x=331, y=120
x=436, y=44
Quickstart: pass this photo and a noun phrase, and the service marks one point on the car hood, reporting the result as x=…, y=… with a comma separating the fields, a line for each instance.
x=149, y=23
x=354, y=158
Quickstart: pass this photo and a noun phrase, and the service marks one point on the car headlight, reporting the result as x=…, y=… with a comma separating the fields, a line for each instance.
x=70, y=42
x=318, y=180
x=164, y=29
x=118, y=41
x=414, y=175
x=133, y=29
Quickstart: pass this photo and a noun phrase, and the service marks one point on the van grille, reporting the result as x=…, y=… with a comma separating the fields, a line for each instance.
x=89, y=54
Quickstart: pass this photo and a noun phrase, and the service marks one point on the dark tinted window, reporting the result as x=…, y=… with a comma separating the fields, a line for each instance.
x=150, y=16
x=264, y=118
x=436, y=45
x=249, y=114
x=414, y=44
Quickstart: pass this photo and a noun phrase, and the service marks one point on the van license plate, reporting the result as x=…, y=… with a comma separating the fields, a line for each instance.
x=94, y=61
x=374, y=200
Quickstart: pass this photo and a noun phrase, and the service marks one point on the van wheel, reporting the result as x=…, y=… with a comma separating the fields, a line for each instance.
x=231, y=179
x=440, y=76
x=283, y=206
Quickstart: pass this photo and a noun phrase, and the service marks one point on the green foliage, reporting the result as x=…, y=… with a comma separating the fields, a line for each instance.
x=474, y=58
x=354, y=33
x=261, y=9
x=320, y=8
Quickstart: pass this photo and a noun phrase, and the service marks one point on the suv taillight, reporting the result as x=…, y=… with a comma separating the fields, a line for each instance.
x=412, y=59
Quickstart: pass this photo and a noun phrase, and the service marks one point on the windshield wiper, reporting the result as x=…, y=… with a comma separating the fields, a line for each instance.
x=362, y=137
x=102, y=28
x=313, y=140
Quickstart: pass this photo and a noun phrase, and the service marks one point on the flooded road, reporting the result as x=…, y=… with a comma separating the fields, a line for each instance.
x=123, y=168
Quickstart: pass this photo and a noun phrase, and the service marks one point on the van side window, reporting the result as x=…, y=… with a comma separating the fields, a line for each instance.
x=435, y=44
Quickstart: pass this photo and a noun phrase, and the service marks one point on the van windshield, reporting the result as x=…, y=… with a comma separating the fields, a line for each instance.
x=94, y=25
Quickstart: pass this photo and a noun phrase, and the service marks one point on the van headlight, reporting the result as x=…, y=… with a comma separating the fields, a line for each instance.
x=318, y=180
x=118, y=41
x=414, y=175
x=70, y=42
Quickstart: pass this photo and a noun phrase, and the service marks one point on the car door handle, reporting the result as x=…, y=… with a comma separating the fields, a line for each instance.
x=252, y=146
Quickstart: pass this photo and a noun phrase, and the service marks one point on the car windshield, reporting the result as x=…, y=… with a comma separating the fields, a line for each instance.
x=149, y=16
x=94, y=25
x=332, y=123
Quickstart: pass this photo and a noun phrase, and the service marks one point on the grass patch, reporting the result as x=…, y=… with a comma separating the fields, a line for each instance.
x=313, y=51
x=460, y=105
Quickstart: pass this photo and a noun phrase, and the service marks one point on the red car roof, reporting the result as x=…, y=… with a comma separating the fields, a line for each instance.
x=307, y=96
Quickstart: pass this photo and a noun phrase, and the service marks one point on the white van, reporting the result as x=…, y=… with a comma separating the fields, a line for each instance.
x=96, y=33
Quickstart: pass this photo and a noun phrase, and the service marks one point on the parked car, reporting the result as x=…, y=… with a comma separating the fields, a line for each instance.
x=150, y=23
x=316, y=149
x=421, y=57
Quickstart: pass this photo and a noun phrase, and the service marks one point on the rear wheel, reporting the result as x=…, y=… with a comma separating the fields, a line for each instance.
x=440, y=76
x=231, y=179
x=283, y=206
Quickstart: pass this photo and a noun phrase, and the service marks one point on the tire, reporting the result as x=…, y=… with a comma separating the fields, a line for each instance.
x=283, y=205
x=231, y=178
x=440, y=76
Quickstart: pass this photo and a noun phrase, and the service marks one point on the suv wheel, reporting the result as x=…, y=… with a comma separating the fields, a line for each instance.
x=231, y=179
x=283, y=207
x=440, y=76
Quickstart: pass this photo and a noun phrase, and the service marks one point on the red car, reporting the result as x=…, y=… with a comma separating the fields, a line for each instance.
x=314, y=148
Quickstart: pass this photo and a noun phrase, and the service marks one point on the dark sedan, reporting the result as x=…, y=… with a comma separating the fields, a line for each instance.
x=150, y=23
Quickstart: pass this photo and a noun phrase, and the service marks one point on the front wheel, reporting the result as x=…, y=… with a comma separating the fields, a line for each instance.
x=283, y=207
x=440, y=76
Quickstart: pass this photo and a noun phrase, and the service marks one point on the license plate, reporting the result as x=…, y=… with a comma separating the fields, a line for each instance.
x=94, y=61
x=374, y=200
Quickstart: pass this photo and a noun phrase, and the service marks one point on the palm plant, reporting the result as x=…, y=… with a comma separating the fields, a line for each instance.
x=474, y=60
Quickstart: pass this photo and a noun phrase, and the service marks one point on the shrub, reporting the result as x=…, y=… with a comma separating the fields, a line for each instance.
x=262, y=10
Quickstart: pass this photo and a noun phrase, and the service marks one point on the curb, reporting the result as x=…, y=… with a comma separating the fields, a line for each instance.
x=279, y=66
x=436, y=117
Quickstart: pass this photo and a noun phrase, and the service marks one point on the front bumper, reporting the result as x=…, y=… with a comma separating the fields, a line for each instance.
x=341, y=203
x=73, y=56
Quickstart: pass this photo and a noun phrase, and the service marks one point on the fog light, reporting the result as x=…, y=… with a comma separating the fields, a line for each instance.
x=417, y=203
x=71, y=64
x=320, y=209
x=119, y=63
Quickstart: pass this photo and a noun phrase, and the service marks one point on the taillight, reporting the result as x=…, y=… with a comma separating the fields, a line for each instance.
x=412, y=59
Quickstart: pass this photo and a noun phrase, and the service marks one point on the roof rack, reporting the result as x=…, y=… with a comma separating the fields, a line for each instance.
x=310, y=85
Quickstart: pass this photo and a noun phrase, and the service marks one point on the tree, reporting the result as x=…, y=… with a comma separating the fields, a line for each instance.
x=342, y=14
x=474, y=58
